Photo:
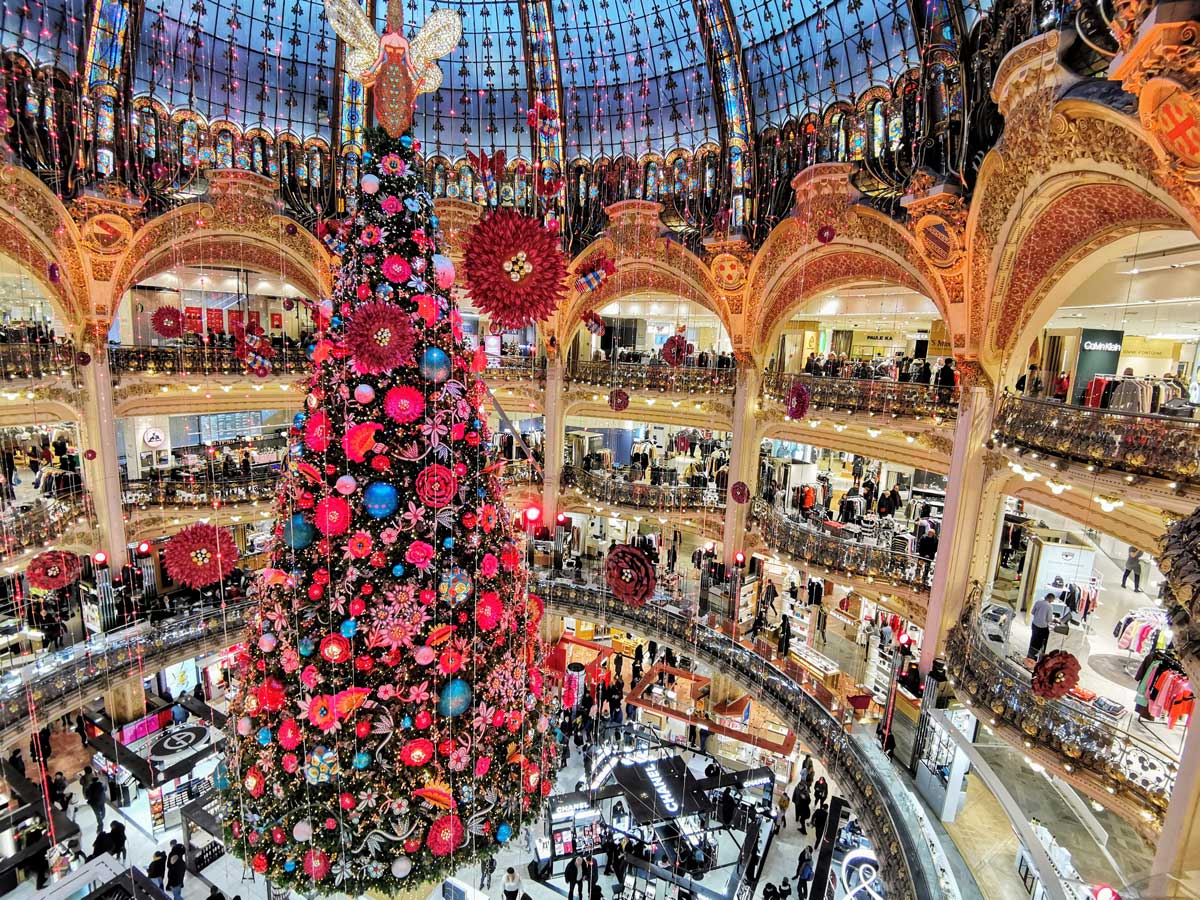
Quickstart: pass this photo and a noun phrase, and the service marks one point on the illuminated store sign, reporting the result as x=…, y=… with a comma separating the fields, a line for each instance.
x=660, y=787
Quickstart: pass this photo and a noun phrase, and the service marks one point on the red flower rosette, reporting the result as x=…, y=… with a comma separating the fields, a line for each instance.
x=1055, y=674
x=826, y=233
x=674, y=351
x=514, y=268
x=52, y=570
x=630, y=575
x=167, y=322
x=797, y=401
x=618, y=400
x=436, y=486
x=380, y=337
x=739, y=492
x=201, y=555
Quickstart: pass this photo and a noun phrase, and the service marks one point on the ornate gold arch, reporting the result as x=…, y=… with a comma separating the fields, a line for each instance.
x=37, y=231
x=1137, y=525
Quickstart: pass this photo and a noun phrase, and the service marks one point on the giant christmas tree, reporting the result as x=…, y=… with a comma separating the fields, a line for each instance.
x=389, y=723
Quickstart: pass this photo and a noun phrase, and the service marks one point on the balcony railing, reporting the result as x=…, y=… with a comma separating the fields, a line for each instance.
x=662, y=378
x=198, y=491
x=642, y=496
x=1082, y=738
x=520, y=471
x=1148, y=445
x=25, y=529
x=886, y=399
x=863, y=774
x=193, y=360
x=837, y=554
x=20, y=361
x=515, y=368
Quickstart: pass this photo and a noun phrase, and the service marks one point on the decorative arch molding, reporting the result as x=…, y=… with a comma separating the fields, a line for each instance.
x=1071, y=217
x=928, y=451
x=1140, y=526
x=36, y=230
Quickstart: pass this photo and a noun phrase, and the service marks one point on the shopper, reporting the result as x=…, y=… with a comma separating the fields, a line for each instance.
x=802, y=804
x=216, y=894
x=157, y=870
x=573, y=875
x=822, y=621
x=102, y=845
x=96, y=794
x=759, y=622
x=176, y=869
x=1039, y=622
x=511, y=885
x=804, y=870
x=653, y=651
x=39, y=862
x=819, y=817
x=770, y=593
x=17, y=761
x=81, y=729
x=785, y=636
x=116, y=835
x=1133, y=566
x=59, y=788
x=821, y=791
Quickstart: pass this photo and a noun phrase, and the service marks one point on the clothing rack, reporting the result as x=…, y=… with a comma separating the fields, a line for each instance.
x=1140, y=631
x=1129, y=393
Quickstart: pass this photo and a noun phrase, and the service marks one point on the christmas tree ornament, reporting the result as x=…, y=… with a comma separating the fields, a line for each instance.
x=597, y=271
x=200, y=555
x=593, y=323
x=1055, y=674
x=380, y=338
x=380, y=499
x=739, y=492
x=618, y=400
x=826, y=234
x=630, y=575
x=514, y=268
x=675, y=350
x=52, y=570
x=797, y=400
x=435, y=365
x=167, y=322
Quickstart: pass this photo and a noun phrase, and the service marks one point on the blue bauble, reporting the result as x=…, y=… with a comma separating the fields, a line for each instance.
x=264, y=736
x=362, y=759
x=289, y=866
x=298, y=420
x=306, y=647
x=298, y=533
x=380, y=499
x=448, y=543
x=454, y=699
x=455, y=587
x=504, y=832
x=398, y=569
x=434, y=365
x=349, y=628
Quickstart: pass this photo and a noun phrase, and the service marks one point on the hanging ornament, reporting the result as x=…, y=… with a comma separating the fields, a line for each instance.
x=826, y=233
x=52, y=570
x=254, y=350
x=380, y=337
x=543, y=118
x=797, y=401
x=593, y=323
x=89, y=454
x=629, y=574
x=1055, y=674
x=201, y=555
x=490, y=169
x=54, y=273
x=598, y=270
x=739, y=492
x=618, y=400
x=167, y=322
x=83, y=358
x=514, y=268
x=290, y=229
x=675, y=350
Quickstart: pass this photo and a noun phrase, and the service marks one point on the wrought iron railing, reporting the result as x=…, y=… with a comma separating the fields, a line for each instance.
x=838, y=554
x=864, y=777
x=186, y=359
x=20, y=361
x=25, y=529
x=515, y=368
x=1148, y=445
x=1082, y=738
x=521, y=471
x=890, y=399
x=642, y=496
x=198, y=490
x=662, y=378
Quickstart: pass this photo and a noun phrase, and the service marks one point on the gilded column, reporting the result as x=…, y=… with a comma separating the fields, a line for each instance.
x=1175, y=871
x=743, y=457
x=555, y=421
x=102, y=475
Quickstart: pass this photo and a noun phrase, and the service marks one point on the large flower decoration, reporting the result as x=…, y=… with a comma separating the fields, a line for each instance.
x=52, y=570
x=630, y=575
x=514, y=268
x=675, y=350
x=797, y=401
x=167, y=322
x=201, y=555
x=739, y=492
x=618, y=400
x=380, y=337
x=1055, y=674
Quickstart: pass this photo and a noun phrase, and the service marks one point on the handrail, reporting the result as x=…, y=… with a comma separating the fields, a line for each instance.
x=43, y=523
x=642, y=496
x=663, y=378
x=198, y=491
x=21, y=360
x=520, y=471
x=905, y=863
x=128, y=653
x=895, y=399
x=1081, y=737
x=514, y=368
x=186, y=359
x=1138, y=443
x=837, y=554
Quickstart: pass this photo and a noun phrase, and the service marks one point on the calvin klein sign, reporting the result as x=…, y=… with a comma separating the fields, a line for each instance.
x=1110, y=346
x=1099, y=353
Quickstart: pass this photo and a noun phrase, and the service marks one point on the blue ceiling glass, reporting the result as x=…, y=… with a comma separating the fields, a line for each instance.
x=633, y=75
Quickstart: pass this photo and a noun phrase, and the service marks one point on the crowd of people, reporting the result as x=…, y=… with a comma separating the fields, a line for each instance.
x=704, y=359
x=903, y=369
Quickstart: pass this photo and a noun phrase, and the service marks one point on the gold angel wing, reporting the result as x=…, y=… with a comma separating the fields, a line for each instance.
x=431, y=78
x=351, y=23
x=438, y=36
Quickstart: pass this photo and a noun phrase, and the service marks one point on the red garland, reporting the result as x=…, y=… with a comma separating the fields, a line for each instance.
x=167, y=322
x=201, y=555
x=739, y=492
x=1055, y=674
x=797, y=401
x=52, y=570
x=630, y=575
x=675, y=350
x=515, y=269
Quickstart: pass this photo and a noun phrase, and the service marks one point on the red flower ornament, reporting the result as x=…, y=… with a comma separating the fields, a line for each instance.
x=1055, y=674
x=380, y=338
x=629, y=574
x=201, y=555
x=167, y=322
x=52, y=570
x=515, y=269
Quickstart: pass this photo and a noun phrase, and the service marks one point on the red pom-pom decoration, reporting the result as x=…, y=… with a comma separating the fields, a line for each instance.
x=683, y=443
x=515, y=269
x=675, y=350
x=1055, y=674
x=52, y=570
x=89, y=454
x=618, y=400
x=826, y=233
x=167, y=322
x=739, y=492
x=797, y=401
x=201, y=555
x=630, y=575
x=83, y=358
x=381, y=338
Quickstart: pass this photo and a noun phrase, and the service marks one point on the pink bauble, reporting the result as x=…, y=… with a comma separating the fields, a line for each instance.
x=244, y=725
x=346, y=484
x=443, y=271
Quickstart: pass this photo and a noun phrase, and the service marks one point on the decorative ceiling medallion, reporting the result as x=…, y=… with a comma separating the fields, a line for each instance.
x=107, y=234
x=728, y=271
x=939, y=242
x=1172, y=115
